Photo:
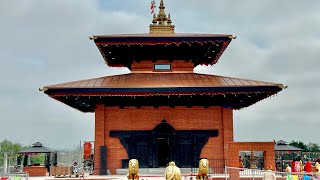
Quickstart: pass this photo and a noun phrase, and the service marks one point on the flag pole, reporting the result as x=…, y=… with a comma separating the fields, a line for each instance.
x=153, y=6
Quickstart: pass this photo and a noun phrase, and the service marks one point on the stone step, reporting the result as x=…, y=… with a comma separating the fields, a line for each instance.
x=157, y=171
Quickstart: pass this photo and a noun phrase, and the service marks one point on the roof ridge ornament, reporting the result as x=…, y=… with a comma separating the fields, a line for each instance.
x=161, y=24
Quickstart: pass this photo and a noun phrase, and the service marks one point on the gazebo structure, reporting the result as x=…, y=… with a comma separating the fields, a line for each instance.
x=38, y=169
x=162, y=110
x=282, y=147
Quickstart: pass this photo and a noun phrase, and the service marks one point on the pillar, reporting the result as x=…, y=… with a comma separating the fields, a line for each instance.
x=99, y=136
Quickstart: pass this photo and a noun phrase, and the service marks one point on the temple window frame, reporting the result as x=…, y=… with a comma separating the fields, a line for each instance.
x=162, y=67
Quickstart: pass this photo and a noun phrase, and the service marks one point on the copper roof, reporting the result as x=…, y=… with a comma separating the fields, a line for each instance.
x=162, y=89
x=122, y=49
x=160, y=80
x=162, y=35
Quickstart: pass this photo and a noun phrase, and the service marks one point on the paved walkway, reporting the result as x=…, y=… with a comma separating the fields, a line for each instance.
x=105, y=177
x=96, y=177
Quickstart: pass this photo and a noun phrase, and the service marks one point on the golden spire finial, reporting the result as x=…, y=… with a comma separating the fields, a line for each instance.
x=154, y=21
x=169, y=20
x=162, y=17
x=161, y=23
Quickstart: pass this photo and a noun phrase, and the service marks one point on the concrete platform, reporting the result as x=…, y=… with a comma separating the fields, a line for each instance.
x=154, y=171
x=149, y=177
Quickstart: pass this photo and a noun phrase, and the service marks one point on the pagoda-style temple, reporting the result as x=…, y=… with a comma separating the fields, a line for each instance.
x=161, y=111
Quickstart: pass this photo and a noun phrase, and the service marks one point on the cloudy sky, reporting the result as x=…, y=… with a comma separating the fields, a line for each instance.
x=47, y=42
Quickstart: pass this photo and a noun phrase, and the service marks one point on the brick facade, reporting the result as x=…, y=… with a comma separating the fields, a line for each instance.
x=36, y=170
x=236, y=147
x=148, y=66
x=266, y=147
x=146, y=118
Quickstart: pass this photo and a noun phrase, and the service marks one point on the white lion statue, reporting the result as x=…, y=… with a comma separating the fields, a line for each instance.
x=203, y=169
x=172, y=172
x=133, y=169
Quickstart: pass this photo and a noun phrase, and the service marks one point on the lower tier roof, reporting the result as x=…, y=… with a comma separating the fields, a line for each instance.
x=162, y=89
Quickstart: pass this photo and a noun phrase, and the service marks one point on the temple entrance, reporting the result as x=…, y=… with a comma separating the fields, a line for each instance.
x=164, y=135
x=155, y=148
x=163, y=151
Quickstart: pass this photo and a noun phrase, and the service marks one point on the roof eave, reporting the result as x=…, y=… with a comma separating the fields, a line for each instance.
x=94, y=37
x=165, y=90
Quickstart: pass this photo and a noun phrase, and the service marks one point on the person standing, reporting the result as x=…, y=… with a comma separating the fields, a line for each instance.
x=297, y=165
x=301, y=164
x=308, y=167
x=269, y=175
x=288, y=170
x=240, y=162
x=292, y=165
x=318, y=167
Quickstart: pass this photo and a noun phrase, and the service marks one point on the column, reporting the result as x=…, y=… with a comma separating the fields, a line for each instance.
x=99, y=136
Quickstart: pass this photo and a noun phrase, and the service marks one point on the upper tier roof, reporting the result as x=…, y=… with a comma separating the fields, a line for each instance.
x=121, y=50
x=161, y=43
x=154, y=89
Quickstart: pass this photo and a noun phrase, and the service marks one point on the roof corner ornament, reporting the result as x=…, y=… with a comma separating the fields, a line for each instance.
x=283, y=86
x=43, y=89
x=92, y=37
x=161, y=24
x=232, y=37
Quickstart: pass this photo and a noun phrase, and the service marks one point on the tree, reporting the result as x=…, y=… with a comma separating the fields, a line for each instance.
x=314, y=147
x=38, y=159
x=300, y=145
x=10, y=148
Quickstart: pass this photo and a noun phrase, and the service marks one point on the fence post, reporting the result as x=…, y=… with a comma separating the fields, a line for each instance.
x=5, y=163
x=225, y=172
x=252, y=171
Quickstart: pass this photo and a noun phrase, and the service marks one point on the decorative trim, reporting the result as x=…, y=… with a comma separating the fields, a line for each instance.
x=160, y=91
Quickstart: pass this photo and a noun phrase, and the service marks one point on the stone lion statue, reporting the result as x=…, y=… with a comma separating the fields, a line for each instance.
x=172, y=172
x=133, y=169
x=203, y=169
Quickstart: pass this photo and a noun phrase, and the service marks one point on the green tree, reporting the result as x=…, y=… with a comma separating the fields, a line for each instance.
x=38, y=159
x=314, y=148
x=300, y=145
x=10, y=148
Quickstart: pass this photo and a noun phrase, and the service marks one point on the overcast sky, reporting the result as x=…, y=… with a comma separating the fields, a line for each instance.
x=47, y=42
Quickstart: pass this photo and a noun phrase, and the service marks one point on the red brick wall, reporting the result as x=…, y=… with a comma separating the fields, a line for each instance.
x=36, y=170
x=146, y=118
x=99, y=136
x=176, y=65
x=236, y=147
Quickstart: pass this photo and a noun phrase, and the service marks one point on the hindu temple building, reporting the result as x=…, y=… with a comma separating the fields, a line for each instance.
x=162, y=110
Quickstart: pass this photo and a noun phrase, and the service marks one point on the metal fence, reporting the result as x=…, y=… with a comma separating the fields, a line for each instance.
x=238, y=173
x=15, y=176
x=12, y=169
x=216, y=166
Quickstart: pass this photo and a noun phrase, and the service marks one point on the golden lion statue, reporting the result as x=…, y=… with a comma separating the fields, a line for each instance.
x=133, y=169
x=172, y=172
x=203, y=169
